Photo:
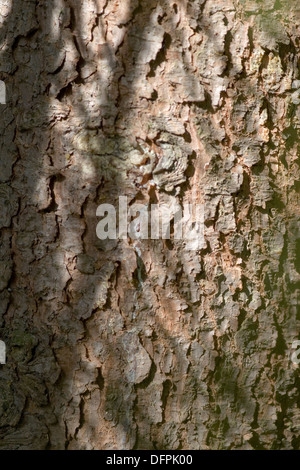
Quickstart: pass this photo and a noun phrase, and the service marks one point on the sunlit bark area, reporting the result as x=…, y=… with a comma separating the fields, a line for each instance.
x=149, y=344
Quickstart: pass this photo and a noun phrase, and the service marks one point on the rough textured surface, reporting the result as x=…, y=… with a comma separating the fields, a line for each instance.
x=116, y=345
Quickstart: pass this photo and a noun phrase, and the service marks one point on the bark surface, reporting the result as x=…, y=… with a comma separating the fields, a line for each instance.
x=117, y=344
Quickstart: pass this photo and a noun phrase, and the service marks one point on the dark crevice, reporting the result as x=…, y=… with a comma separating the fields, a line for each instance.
x=229, y=65
x=147, y=381
x=100, y=379
x=53, y=205
x=161, y=55
x=167, y=387
x=65, y=92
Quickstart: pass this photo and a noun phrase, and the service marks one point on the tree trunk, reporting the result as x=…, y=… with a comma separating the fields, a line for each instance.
x=149, y=344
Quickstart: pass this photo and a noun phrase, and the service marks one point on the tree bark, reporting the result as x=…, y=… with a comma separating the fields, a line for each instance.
x=122, y=344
